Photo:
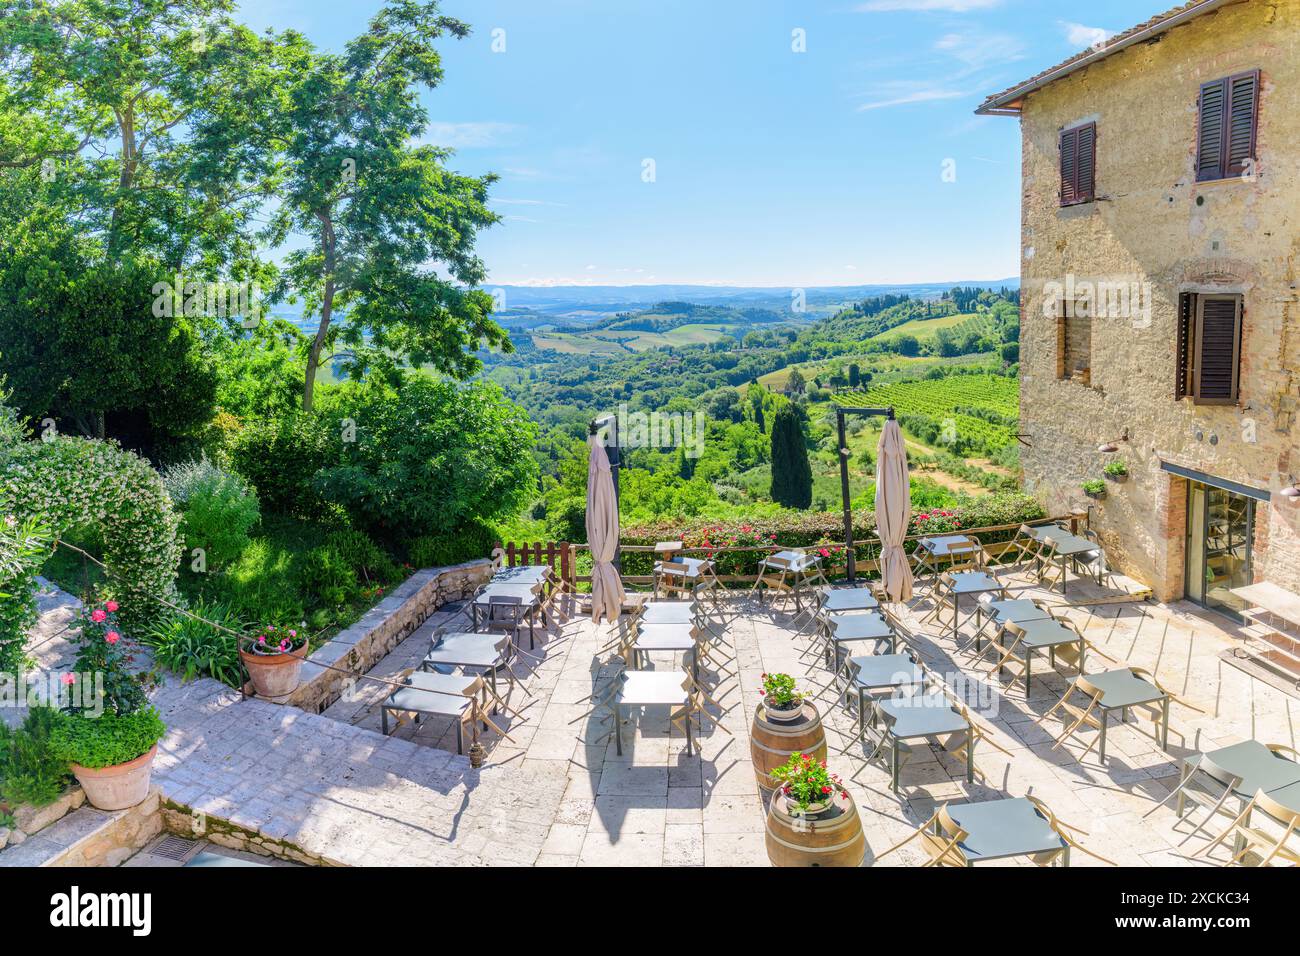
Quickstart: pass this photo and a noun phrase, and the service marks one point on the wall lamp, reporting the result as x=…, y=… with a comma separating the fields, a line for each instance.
x=1112, y=446
x=1291, y=492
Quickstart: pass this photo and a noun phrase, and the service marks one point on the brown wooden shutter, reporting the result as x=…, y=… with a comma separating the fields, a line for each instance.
x=1186, y=315
x=1218, y=348
x=1085, y=163
x=1243, y=121
x=1069, y=166
x=1210, y=131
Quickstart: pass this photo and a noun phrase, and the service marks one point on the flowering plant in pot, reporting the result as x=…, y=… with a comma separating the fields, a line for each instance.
x=806, y=784
x=109, y=734
x=780, y=698
x=274, y=657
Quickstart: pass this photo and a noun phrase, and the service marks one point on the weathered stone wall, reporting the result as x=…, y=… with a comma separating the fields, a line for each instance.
x=383, y=627
x=90, y=837
x=1153, y=223
x=29, y=820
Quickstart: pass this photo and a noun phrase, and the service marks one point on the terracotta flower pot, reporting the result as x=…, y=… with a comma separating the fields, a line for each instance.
x=274, y=676
x=119, y=786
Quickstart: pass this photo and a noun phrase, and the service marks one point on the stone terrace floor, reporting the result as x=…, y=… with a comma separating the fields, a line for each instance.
x=656, y=806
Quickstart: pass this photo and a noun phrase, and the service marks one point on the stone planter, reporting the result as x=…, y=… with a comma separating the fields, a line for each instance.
x=274, y=676
x=1118, y=479
x=1096, y=495
x=119, y=786
x=784, y=716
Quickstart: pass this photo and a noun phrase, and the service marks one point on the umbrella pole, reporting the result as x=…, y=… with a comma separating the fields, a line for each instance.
x=844, y=476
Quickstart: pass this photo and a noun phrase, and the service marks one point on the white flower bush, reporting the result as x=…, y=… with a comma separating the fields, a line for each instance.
x=81, y=482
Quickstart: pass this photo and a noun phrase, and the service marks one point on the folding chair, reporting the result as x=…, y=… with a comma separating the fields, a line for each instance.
x=940, y=837
x=1025, y=545
x=1249, y=837
x=1095, y=560
x=1063, y=830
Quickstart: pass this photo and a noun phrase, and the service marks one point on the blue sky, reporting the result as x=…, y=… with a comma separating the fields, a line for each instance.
x=771, y=166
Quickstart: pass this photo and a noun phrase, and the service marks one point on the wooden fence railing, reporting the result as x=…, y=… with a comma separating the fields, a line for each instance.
x=563, y=557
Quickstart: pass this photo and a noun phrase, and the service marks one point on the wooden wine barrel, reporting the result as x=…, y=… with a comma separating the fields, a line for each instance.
x=831, y=838
x=772, y=742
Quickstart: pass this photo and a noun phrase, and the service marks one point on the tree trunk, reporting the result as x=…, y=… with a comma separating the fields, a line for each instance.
x=326, y=311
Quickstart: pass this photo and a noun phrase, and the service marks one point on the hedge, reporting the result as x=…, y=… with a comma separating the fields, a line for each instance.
x=794, y=529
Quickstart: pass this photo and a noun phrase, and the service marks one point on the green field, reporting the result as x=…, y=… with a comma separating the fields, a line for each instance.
x=952, y=399
x=622, y=341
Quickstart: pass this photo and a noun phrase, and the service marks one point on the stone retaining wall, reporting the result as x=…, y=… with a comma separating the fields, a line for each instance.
x=382, y=628
x=90, y=837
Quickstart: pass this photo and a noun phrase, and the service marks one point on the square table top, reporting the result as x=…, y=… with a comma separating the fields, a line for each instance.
x=1257, y=766
x=1288, y=796
x=507, y=593
x=849, y=599
x=532, y=573
x=456, y=684
x=668, y=612
x=792, y=560
x=429, y=702
x=860, y=626
x=1123, y=688
x=462, y=650
x=1015, y=609
x=1047, y=633
x=652, y=688
x=1067, y=544
x=998, y=829
x=923, y=716
x=885, y=670
x=668, y=547
x=975, y=582
x=941, y=545
x=684, y=567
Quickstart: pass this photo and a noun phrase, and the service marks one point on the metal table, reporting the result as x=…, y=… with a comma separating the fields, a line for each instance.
x=837, y=600
x=1047, y=634
x=1067, y=547
x=924, y=717
x=1018, y=610
x=804, y=571
x=1254, y=764
x=846, y=629
x=487, y=651
x=1000, y=829
x=966, y=583
x=428, y=703
x=651, y=689
x=691, y=571
x=1121, y=690
x=881, y=672
x=930, y=551
x=522, y=597
x=675, y=638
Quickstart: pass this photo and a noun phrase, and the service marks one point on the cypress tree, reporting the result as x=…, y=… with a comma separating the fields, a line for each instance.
x=791, y=473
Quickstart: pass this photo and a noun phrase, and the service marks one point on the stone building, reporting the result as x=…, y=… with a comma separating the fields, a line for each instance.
x=1160, y=239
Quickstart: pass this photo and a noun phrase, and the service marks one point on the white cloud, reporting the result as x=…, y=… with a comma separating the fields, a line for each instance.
x=524, y=202
x=467, y=135
x=977, y=50
x=947, y=6
x=1078, y=35
x=919, y=96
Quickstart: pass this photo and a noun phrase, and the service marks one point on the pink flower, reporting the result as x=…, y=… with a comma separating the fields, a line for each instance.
x=68, y=679
x=261, y=638
x=293, y=633
x=98, y=615
x=285, y=645
x=112, y=637
x=111, y=606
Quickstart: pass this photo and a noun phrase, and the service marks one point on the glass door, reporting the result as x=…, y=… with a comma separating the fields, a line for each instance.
x=1220, y=528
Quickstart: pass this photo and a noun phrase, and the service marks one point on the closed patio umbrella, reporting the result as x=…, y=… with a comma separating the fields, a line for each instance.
x=602, y=535
x=893, y=511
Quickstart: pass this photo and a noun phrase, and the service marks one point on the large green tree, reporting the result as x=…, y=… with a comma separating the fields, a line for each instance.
x=377, y=207
x=791, y=472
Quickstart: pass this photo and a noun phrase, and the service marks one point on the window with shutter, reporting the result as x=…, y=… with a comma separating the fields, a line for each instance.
x=1228, y=126
x=1218, y=349
x=1078, y=164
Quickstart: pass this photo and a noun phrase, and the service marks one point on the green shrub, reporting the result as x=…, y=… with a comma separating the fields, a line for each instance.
x=468, y=543
x=218, y=508
x=368, y=561
x=326, y=577
x=193, y=648
x=1094, y=486
x=30, y=770
x=1116, y=469
x=280, y=457
x=109, y=739
x=23, y=547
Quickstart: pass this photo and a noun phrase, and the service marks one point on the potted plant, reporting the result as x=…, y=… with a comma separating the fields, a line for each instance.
x=274, y=658
x=807, y=787
x=109, y=734
x=1095, y=488
x=780, y=698
x=1116, y=471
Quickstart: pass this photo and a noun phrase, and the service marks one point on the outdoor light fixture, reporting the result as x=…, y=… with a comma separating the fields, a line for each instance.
x=1291, y=491
x=1112, y=446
